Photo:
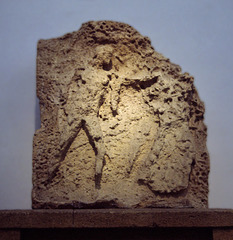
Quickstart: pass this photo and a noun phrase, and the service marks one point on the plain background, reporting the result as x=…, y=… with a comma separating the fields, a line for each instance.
x=197, y=35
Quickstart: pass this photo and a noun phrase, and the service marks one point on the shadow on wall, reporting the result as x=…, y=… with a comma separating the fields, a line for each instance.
x=37, y=114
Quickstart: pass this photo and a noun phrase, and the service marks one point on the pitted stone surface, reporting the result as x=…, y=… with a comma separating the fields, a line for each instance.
x=121, y=126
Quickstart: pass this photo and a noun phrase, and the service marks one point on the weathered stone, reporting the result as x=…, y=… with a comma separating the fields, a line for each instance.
x=121, y=126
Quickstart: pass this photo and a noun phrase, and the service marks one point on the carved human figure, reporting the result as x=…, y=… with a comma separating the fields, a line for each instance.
x=121, y=124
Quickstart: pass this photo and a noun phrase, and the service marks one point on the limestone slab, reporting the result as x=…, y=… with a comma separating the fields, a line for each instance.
x=121, y=125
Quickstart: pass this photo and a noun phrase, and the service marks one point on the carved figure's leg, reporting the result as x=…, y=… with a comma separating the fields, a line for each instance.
x=115, y=85
x=95, y=136
x=68, y=135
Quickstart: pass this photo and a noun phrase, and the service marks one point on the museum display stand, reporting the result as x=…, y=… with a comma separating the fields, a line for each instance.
x=145, y=224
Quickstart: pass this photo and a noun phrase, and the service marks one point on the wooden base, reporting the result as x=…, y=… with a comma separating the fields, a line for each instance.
x=138, y=224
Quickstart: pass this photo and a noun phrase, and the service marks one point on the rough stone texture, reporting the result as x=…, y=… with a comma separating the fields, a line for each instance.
x=121, y=126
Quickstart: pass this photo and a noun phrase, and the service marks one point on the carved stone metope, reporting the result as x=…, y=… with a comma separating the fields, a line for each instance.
x=121, y=126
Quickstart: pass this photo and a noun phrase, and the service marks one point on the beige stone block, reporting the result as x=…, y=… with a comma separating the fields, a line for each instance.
x=121, y=126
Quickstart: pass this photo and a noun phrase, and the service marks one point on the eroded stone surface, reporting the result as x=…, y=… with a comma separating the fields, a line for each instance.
x=121, y=126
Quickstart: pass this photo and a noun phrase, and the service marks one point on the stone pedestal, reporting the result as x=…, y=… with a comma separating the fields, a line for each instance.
x=161, y=224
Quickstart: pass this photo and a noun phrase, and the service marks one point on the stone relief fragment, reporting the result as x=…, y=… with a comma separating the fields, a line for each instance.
x=121, y=126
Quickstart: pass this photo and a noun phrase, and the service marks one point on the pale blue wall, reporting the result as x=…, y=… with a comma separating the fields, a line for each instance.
x=198, y=35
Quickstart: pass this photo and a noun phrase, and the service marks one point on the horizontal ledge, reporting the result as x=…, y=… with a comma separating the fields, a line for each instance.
x=115, y=218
